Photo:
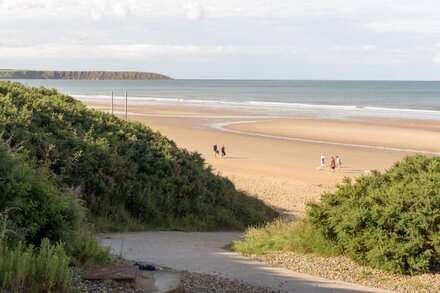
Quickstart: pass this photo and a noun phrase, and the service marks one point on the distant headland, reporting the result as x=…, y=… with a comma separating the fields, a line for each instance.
x=80, y=75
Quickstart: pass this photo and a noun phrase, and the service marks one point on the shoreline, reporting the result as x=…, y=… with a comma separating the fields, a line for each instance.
x=274, y=109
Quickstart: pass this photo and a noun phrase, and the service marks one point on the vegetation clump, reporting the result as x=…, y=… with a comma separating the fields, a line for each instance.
x=34, y=269
x=389, y=221
x=42, y=229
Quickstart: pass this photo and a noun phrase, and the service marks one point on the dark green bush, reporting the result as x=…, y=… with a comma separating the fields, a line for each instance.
x=127, y=175
x=389, y=221
x=41, y=209
x=41, y=229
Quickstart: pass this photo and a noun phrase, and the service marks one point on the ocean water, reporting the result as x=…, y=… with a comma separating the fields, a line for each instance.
x=327, y=99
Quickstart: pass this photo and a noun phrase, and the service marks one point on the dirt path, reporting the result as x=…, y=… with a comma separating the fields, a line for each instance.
x=202, y=252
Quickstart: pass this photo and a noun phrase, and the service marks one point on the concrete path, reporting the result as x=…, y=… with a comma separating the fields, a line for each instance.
x=203, y=252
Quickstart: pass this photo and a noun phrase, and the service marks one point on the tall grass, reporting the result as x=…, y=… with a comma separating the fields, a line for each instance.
x=30, y=269
x=287, y=236
x=86, y=249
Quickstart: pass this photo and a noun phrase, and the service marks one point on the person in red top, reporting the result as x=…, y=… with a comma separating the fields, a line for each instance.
x=333, y=164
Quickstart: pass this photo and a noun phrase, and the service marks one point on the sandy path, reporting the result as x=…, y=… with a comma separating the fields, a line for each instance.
x=202, y=252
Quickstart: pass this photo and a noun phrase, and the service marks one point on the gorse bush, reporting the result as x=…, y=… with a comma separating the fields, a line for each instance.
x=40, y=208
x=36, y=213
x=125, y=173
x=389, y=221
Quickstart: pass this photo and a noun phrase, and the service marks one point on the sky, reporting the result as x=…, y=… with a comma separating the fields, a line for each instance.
x=226, y=39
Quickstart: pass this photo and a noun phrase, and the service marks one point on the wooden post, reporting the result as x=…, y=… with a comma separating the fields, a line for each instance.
x=126, y=110
x=112, y=102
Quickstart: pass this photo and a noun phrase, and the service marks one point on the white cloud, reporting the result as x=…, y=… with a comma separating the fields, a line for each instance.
x=104, y=51
x=412, y=26
x=95, y=15
x=122, y=9
x=194, y=10
x=65, y=9
x=78, y=49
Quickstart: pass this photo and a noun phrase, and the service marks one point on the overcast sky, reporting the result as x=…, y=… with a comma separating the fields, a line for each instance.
x=247, y=39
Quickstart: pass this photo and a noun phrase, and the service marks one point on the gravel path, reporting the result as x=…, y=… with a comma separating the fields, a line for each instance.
x=343, y=269
x=192, y=283
x=202, y=253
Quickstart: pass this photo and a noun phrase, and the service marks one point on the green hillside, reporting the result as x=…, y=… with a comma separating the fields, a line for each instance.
x=84, y=75
x=127, y=176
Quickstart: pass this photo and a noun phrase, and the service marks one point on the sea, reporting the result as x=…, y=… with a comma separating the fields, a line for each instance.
x=311, y=98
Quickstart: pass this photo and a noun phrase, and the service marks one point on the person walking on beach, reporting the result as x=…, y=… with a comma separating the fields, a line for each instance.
x=333, y=164
x=338, y=163
x=215, y=151
x=322, y=160
x=223, y=151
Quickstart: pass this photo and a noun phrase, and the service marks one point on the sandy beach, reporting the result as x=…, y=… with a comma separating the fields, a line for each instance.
x=276, y=159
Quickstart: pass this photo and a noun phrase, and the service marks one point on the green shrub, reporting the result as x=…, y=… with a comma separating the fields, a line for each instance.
x=41, y=209
x=389, y=221
x=123, y=171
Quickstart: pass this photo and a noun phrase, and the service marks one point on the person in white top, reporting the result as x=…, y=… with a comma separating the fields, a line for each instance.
x=338, y=163
x=322, y=161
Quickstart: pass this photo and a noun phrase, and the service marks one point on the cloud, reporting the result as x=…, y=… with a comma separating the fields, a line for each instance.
x=121, y=9
x=105, y=9
x=79, y=49
x=412, y=26
x=194, y=10
x=95, y=15
x=65, y=9
x=107, y=51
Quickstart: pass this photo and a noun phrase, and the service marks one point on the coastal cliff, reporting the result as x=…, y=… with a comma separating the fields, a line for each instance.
x=84, y=75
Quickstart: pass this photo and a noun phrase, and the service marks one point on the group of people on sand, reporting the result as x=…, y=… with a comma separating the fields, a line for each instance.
x=217, y=151
x=334, y=164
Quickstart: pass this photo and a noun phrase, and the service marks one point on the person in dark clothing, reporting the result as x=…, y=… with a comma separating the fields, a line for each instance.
x=215, y=151
x=223, y=151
